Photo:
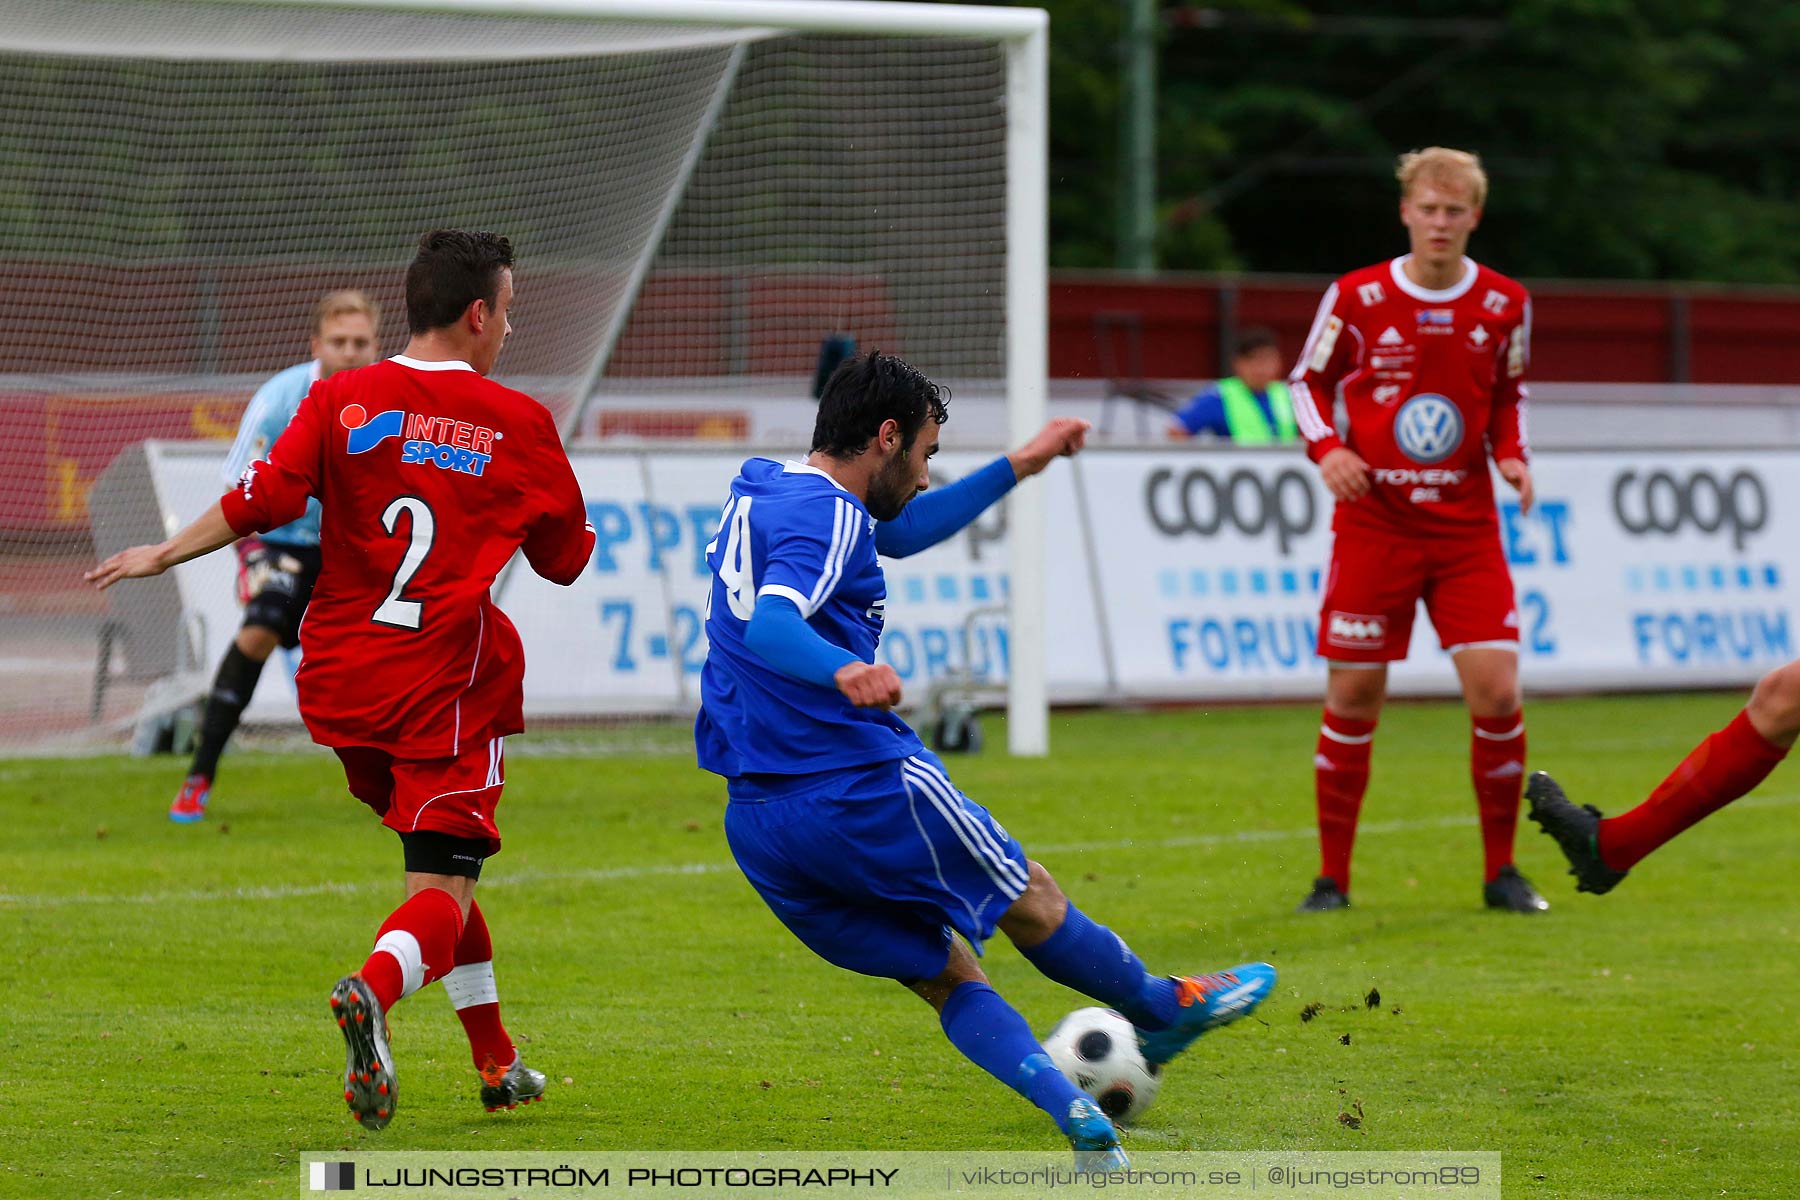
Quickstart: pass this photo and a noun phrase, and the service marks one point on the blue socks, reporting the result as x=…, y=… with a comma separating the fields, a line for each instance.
x=992, y=1035
x=1096, y=962
x=1089, y=958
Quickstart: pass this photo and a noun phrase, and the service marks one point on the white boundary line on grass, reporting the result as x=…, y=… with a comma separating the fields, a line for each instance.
x=661, y=870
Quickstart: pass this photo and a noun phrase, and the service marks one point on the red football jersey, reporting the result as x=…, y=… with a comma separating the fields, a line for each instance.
x=1433, y=382
x=430, y=477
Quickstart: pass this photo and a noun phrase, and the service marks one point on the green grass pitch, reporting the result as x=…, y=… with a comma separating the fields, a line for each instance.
x=166, y=1031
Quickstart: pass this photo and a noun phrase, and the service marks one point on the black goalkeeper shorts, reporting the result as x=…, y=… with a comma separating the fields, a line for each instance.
x=275, y=582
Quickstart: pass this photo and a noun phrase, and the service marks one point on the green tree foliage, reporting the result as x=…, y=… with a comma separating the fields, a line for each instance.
x=1640, y=139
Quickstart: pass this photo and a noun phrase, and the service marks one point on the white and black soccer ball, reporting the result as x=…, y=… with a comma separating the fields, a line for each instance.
x=1098, y=1050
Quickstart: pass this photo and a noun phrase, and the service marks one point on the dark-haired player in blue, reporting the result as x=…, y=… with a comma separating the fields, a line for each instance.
x=845, y=824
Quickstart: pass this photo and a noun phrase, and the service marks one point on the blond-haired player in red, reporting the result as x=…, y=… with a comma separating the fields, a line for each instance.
x=1428, y=353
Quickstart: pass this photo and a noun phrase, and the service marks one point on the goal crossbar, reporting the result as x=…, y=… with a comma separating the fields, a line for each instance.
x=801, y=16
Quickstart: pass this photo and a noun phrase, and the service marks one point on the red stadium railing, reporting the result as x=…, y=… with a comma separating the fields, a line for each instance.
x=1174, y=327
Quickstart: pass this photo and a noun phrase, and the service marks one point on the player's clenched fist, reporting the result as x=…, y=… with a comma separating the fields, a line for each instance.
x=869, y=685
x=1057, y=439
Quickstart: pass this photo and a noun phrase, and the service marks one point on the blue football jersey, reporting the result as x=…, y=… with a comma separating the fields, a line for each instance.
x=269, y=412
x=791, y=531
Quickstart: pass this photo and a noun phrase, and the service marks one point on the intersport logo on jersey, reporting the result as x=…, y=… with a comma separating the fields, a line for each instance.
x=448, y=445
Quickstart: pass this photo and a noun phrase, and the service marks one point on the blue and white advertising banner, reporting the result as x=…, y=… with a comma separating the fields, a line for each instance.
x=1174, y=574
x=629, y=634
x=1632, y=570
x=1646, y=570
x=1208, y=568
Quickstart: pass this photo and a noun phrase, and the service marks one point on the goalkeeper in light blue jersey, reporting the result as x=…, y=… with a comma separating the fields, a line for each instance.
x=849, y=829
x=276, y=570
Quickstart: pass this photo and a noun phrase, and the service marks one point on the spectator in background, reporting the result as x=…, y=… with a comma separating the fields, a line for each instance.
x=1251, y=406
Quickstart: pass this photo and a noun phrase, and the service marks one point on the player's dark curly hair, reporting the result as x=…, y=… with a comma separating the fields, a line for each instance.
x=453, y=269
x=865, y=391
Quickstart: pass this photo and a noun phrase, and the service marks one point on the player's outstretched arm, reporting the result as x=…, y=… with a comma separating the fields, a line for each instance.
x=1060, y=438
x=943, y=513
x=208, y=532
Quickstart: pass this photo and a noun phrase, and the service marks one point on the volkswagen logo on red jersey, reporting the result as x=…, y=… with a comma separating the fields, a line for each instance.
x=1428, y=428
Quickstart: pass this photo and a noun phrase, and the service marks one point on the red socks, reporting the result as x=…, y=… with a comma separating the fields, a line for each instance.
x=1497, y=766
x=427, y=939
x=477, y=1002
x=1716, y=772
x=1340, y=776
x=416, y=945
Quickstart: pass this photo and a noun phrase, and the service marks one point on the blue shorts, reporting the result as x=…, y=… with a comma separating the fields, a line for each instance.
x=876, y=883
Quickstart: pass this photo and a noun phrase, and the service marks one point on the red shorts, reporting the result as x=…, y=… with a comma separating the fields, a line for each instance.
x=456, y=796
x=1376, y=582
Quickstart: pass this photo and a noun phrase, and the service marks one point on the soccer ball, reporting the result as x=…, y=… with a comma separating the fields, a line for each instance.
x=1098, y=1050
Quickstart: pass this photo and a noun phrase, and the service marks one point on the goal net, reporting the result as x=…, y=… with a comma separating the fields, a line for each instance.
x=698, y=191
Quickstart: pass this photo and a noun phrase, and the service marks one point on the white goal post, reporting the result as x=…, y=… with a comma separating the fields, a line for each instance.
x=1025, y=34
x=699, y=191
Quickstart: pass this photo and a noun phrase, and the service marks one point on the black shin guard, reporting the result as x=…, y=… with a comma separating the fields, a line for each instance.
x=231, y=691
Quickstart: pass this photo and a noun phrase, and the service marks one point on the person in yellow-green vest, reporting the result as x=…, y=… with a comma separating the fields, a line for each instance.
x=1251, y=407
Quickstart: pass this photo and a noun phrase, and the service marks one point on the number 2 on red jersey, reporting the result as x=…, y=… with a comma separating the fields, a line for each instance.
x=396, y=610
